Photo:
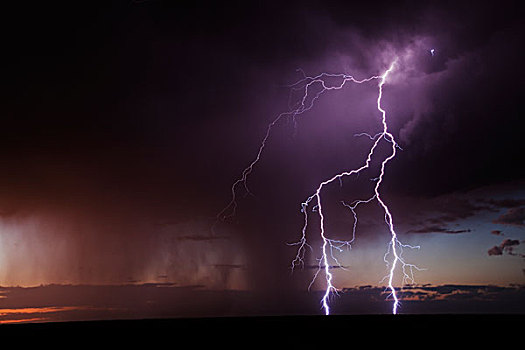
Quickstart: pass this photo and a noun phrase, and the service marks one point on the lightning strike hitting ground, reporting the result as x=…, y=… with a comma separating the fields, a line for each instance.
x=395, y=247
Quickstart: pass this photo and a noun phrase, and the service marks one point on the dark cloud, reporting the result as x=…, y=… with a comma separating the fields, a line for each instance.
x=510, y=242
x=513, y=216
x=507, y=246
x=445, y=296
x=438, y=229
x=440, y=214
x=503, y=203
x=449, y=292
x=450, y=208
x=496, y=250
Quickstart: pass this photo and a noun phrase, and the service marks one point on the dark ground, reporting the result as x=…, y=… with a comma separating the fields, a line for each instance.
x=305, y=331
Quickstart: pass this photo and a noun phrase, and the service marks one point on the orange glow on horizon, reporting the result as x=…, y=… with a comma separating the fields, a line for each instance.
x=23, y=320
x=5, y=314
x=38, y=310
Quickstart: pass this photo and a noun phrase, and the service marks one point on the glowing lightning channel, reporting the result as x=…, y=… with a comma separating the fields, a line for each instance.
x=302, y=106
x=329, y=245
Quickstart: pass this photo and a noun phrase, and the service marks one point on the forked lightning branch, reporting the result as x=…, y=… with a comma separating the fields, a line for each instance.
x=312, y=88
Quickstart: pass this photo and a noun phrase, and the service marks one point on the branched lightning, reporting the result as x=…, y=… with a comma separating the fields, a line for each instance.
x=302, y=106
x=331, y=246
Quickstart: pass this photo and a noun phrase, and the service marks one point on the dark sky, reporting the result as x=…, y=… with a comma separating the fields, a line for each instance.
x=125, y=123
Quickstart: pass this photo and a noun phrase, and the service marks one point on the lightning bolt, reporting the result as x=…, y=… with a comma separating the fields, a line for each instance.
x=329, y=246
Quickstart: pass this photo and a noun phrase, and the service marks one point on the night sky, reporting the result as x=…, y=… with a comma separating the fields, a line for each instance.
x=125, y=123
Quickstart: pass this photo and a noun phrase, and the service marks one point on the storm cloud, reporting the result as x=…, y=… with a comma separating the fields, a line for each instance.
x=119, y=117
x=513, y=216
x=507, y=246
x=437, y=229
